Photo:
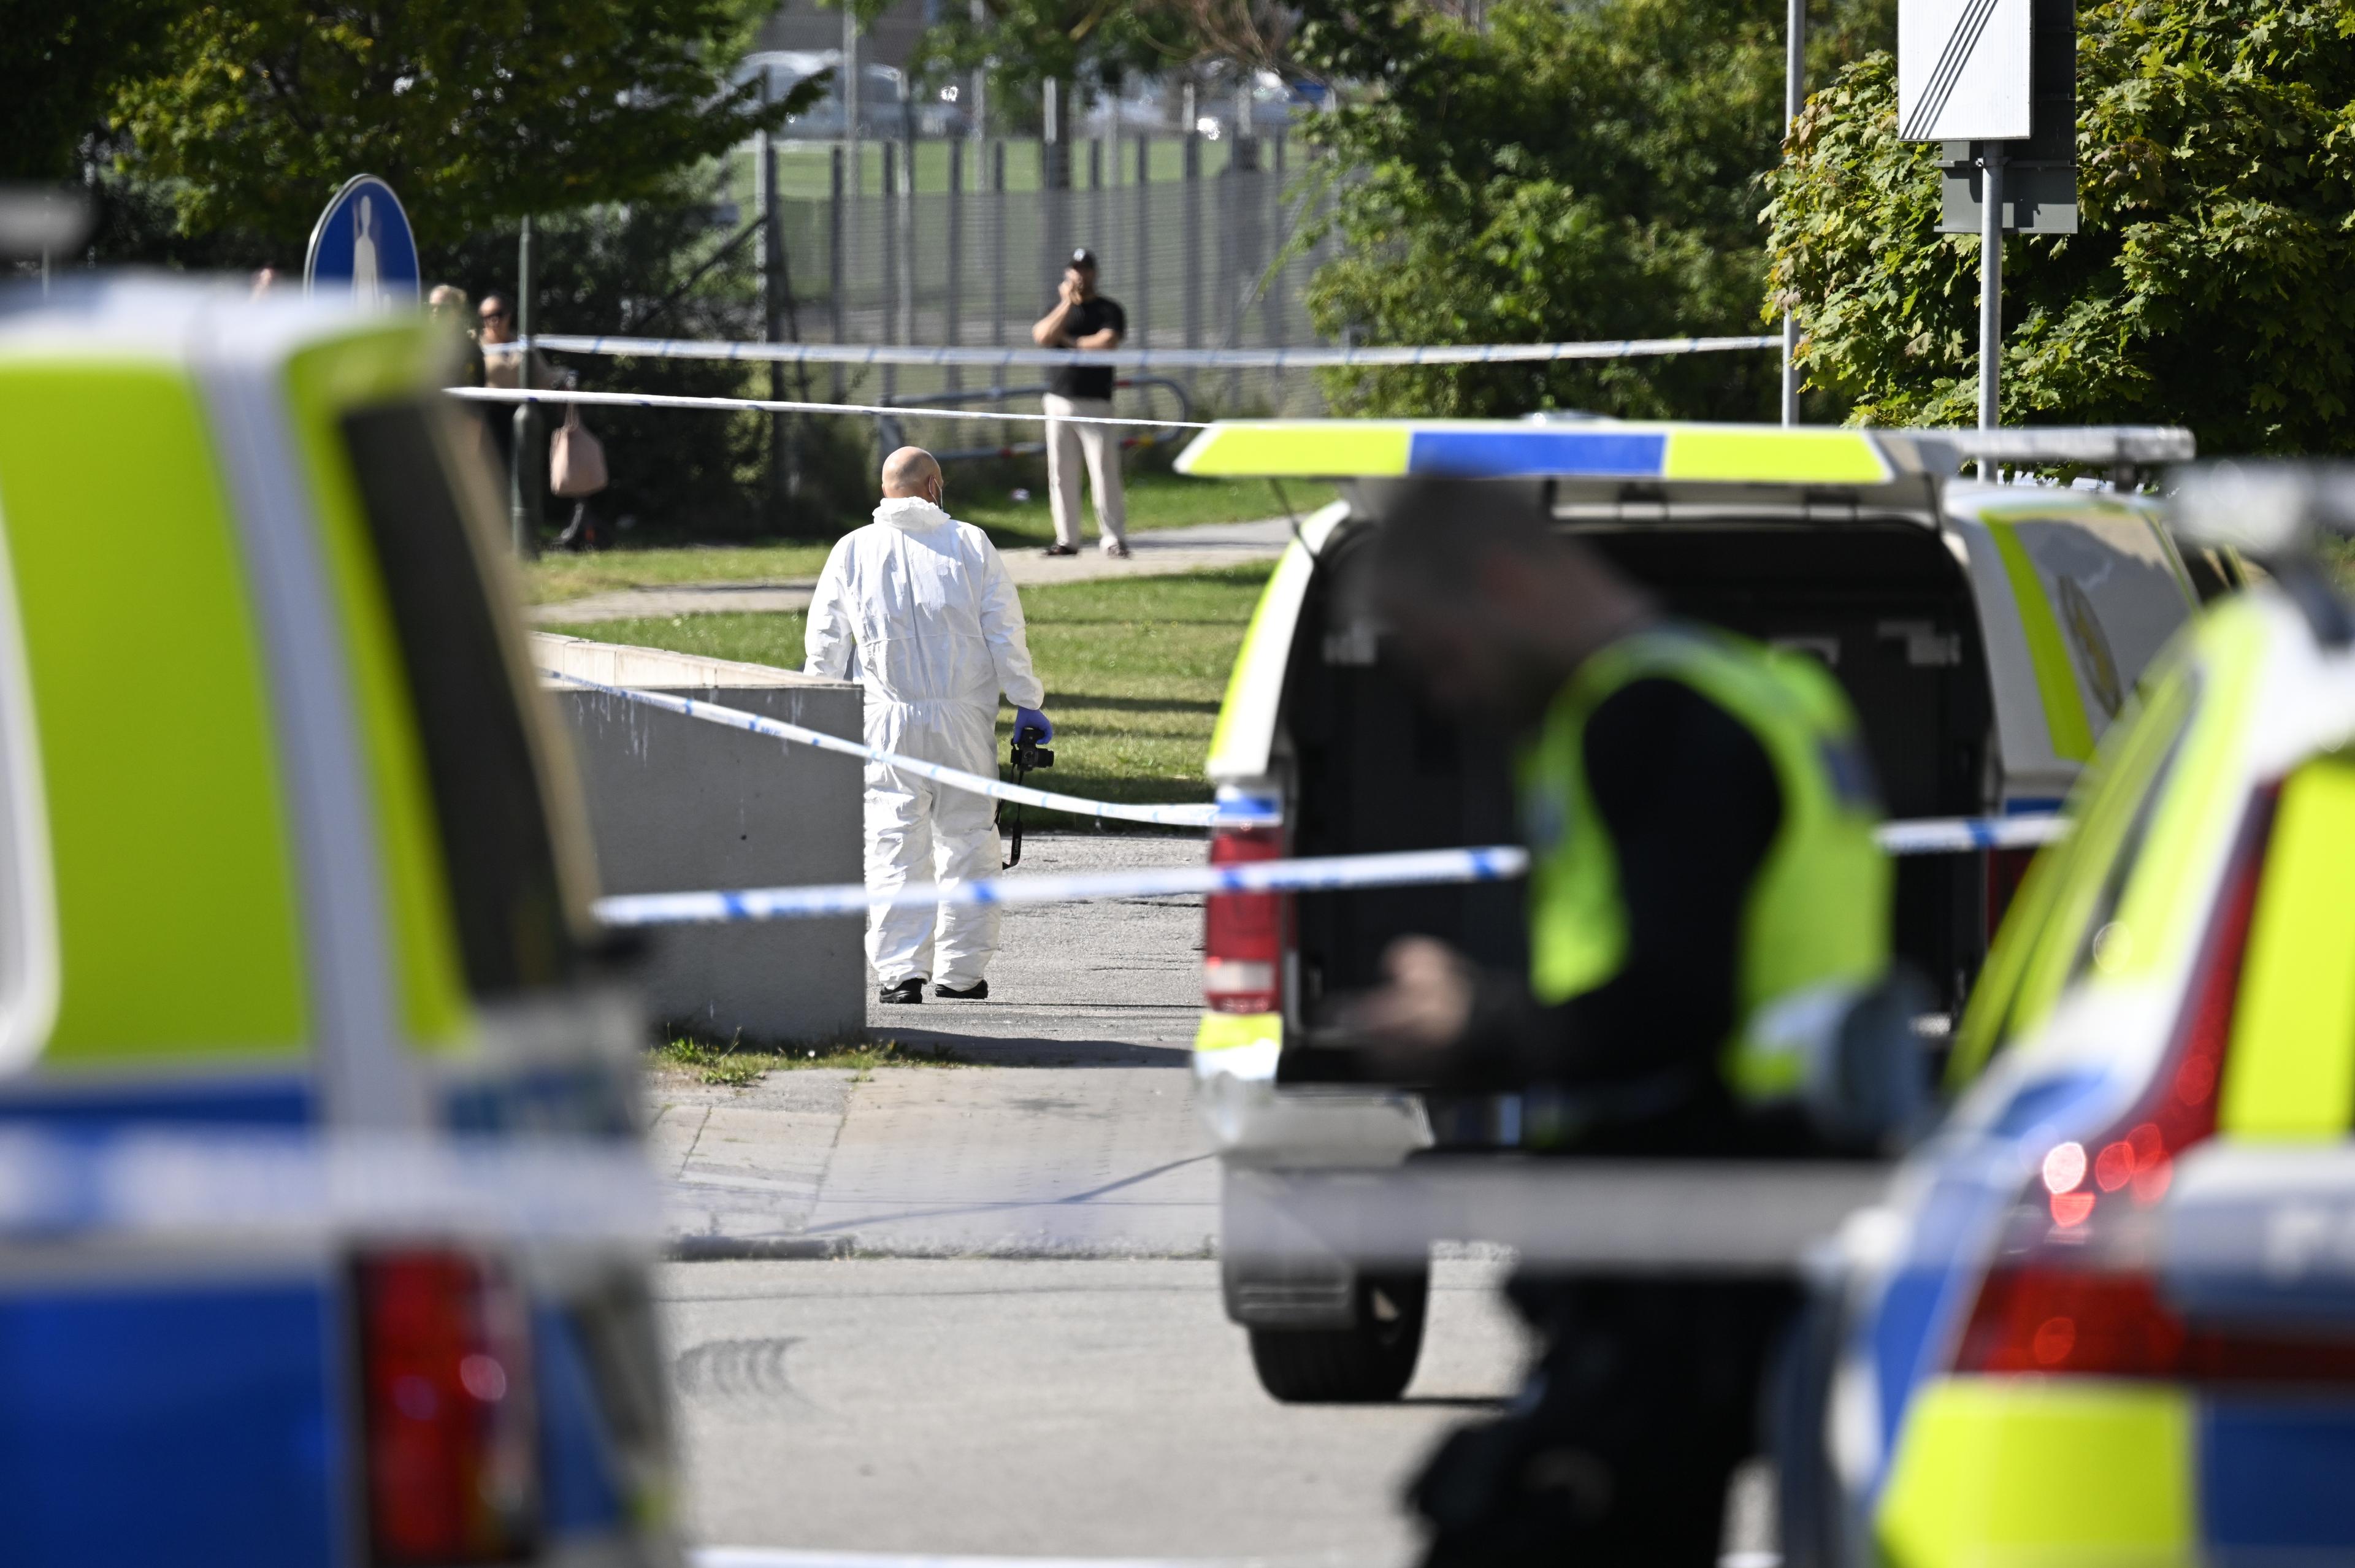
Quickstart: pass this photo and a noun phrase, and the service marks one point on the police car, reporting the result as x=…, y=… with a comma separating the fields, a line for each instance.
x=1987, y=635
x=324, y=1225
x=2108, y=1315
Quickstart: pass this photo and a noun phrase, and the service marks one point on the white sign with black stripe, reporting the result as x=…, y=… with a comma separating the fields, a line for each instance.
x=1963, y=69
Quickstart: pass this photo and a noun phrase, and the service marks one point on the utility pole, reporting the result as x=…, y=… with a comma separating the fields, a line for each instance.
x=1795, y=82
x=978, y=117
x=850, y=91
x=522, y=493
x=1991, y=216
x=775, y=301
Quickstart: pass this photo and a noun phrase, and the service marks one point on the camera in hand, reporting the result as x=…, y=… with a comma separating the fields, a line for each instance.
x=1028, y=752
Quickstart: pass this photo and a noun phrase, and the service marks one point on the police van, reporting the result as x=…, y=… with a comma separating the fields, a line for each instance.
x=1987, y=635
x=325, y=1228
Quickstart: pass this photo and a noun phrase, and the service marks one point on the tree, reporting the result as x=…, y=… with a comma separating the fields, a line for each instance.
x=1565, y=172
x=59, y=71
x=474, y=110
x=2211, y=282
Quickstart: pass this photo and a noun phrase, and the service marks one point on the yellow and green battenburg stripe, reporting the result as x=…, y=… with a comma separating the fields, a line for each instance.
x=1495, y=449
x=2290, y=1075
x=1231, y=1031
x=178, y=921
x=2031, y=1472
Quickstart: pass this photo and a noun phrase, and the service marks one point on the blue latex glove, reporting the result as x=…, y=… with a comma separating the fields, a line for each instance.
x=1023, y=716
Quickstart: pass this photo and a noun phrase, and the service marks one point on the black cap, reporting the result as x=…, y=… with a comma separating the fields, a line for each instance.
x=1084, y=257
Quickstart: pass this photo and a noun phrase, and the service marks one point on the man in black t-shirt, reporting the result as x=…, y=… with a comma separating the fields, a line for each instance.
x=1082, y=319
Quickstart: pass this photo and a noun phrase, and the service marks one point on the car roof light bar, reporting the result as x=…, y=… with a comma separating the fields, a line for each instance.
x=1666, y=452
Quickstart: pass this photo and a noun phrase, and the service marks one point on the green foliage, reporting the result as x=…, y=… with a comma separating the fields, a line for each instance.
x=2212, y=283
x=474, y=110
x=675, y=474
x=59, y=69
x=1572, y=172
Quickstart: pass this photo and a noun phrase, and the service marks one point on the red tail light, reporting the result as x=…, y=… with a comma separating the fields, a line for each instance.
x=2072, y=1293
x=1244, y=934
x=450, y=1452
x=2004, y=867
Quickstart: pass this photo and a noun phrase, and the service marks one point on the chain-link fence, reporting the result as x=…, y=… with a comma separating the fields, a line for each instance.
x=962, y=242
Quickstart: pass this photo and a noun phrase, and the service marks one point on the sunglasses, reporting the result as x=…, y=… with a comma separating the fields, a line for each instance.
x=499, y=315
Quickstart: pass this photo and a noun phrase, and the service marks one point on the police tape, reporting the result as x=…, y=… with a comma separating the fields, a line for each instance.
x=1310, y=874
x=1326, y=873
x=1961, y=835
x=787, y=405
x=1309, y=358
x=1234, y=809
x=260, y=1185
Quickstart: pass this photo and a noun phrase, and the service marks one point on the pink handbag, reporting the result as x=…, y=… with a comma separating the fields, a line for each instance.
x=576, y=459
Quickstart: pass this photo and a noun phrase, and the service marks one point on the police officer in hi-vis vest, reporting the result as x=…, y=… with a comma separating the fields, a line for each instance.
x=1707, y=912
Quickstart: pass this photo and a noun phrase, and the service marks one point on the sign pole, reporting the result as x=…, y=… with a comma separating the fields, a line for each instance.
x=520, y=493
x=1794, y=62
x=1990, y=294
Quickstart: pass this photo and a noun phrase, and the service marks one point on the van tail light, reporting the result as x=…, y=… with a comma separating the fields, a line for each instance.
x=2071, y=1289
x=2004, y=867
x=1244, y=934
x=449, y=1445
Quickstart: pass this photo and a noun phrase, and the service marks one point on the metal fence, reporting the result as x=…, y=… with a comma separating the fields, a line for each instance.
x=962, y=242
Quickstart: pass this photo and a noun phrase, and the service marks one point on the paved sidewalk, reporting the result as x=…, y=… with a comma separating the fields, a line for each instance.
x=1156, y=552
x=1065, y=1129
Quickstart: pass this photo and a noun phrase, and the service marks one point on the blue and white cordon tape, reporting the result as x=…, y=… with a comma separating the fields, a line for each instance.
x=1932, y=836
x=1314, y=357
x=789, y=406
x=1960, y=835
x=1232, y=810
x=1412, y=867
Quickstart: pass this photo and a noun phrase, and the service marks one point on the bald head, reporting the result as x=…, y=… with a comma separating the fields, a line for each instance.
x=911, y=471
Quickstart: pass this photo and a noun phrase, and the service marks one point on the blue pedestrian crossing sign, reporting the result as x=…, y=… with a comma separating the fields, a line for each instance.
x=363, y=249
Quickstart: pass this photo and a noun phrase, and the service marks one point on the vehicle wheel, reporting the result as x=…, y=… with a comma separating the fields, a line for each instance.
x=1365, y=1364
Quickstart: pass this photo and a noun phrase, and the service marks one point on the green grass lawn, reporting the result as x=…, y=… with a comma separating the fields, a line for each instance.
x=1154, y=501
x=1134, y=669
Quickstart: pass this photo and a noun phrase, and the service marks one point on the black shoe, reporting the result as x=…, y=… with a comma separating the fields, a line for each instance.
x=905, y=991
x=1061, y=550
x=976, y=992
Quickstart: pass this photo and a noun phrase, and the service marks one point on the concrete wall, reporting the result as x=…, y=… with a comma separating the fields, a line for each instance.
x=677, y=805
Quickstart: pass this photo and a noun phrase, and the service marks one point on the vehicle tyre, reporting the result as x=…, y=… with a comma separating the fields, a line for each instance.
x=1368, y=1363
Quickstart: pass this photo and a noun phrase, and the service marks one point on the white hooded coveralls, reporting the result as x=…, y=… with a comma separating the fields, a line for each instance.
x=919, y=606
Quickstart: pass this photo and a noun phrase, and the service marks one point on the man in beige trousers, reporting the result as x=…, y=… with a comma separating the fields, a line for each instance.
x=1082, y=319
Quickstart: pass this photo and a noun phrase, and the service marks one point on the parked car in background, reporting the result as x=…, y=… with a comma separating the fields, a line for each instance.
x=325, y=1224
x=1987, y=635
x=886, y=109
x=2107, y=1315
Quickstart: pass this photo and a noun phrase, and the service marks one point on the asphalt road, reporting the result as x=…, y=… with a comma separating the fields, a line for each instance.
x=1001, y=1404
x=1099, y=1409
x=1025, y=1357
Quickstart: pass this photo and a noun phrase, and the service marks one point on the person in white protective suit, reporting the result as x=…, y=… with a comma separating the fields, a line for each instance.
x=920, y=606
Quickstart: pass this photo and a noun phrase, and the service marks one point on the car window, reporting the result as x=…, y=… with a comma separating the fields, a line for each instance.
x=481, y=760
x=2111, y=585
x=2061, y=925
